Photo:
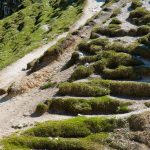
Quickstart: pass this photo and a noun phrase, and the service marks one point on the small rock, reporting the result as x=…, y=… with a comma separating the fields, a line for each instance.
x=19, y=126
x=26, y=114
x=3, y=91
x=87, y=65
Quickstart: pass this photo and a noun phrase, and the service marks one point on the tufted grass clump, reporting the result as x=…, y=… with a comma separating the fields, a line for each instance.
x=52, y=53
x=82, y=89
x=48, y=85
x=140, y=16
x=143, y=30
x=120, y=73
x=145, y=40
x=99, y=65
x=83, y=46
x=136, y=3
x=139, y=12
x=115, y=21
x=113, y=30
x=88, y=59
x=115, y=59
x=116, y=12
x=100, y=42
x=41, y=109
x=126, y=73
x=81, y=72
x=93, y=46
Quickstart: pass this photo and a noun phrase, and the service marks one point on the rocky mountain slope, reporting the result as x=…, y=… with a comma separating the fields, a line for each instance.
x=8, y=7
x=92, y=87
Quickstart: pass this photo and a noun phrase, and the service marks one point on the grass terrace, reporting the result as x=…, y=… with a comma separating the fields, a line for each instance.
x=122, y=88
x=75, y=106
x=78, y=134
x=81, y=133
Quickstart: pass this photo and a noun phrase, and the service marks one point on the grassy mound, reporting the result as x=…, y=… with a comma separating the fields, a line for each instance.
x=81, y=72
x=143, y=30
x=113, y=30
x=98, y=87
x=101, y=105
x=41, y=109
x=81, y=89
x=121, y=88
x=121, y=72
x=140, y=16
x=136, y=3
x=52, y=53
x=145, y=40
x=128, y=73
x=115, y=21
x=77, y=127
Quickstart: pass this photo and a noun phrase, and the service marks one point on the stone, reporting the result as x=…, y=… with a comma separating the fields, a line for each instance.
x=2, y=92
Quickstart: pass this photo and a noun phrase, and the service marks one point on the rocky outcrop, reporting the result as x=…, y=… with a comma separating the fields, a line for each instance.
x=7, y=7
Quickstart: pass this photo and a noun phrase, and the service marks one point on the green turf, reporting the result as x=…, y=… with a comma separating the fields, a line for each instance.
x=24, y=30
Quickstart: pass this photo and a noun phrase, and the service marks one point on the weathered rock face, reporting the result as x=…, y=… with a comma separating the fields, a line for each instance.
x=7, y=7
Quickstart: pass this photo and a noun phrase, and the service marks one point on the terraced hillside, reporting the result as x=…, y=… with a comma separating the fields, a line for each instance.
x=92, y=87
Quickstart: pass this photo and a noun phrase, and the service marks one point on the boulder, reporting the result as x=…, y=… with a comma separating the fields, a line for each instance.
x=3, y=91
